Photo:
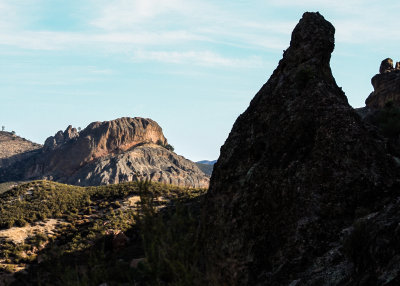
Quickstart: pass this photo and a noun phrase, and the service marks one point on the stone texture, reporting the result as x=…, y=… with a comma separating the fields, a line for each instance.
x=61, y=138
x=108, y=152
x=97, y=140
x=297, y=172
x=386, y=86
x=145, y=162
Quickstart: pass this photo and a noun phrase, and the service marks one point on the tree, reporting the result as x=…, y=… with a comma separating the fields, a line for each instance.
x=169, y=147
x=79, y=129
x=3, y=128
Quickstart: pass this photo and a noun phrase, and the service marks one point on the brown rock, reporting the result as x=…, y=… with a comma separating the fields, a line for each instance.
x=106, y=153
x=386, y=65
x=61, y=138
x=296, y=166
x=97, y=140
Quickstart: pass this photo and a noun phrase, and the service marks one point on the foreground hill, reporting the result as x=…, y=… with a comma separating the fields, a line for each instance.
x=304, y=192
x=109, y=152
x=56, y=234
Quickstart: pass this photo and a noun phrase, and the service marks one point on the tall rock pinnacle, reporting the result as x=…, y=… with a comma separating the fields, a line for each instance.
x=295, y=169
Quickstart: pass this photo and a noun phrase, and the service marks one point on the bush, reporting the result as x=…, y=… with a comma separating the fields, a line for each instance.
x=166, y=146
x=388, y=120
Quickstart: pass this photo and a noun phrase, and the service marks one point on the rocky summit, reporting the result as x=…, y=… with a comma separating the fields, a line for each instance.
x=125, y=149
x=386, y=85
x=303, y=192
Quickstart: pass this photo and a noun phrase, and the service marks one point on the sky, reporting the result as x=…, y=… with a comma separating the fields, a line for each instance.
x=191, y=65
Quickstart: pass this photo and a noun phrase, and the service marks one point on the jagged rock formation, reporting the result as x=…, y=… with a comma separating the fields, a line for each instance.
x=14, y=148
x=60, y=138
x=108, y=152
x=386, y=86
x=302, y=193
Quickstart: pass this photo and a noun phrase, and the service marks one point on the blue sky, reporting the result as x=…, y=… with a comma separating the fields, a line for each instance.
x=191, y=65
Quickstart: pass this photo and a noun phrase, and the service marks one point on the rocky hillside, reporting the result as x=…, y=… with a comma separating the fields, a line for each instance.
x=304, y=193
x=148, y=161
x=125, y=149
x=206, y=166
x=12, y=146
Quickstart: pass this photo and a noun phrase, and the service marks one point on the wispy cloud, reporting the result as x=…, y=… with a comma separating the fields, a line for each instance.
x=202, y=58
x=180, y=31
x=48, y=40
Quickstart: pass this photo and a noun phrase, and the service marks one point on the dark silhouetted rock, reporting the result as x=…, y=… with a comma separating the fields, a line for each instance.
x=386, y=65
x=297, y=172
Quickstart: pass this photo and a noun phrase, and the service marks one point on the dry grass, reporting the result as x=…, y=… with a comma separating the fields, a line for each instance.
x=19, y=234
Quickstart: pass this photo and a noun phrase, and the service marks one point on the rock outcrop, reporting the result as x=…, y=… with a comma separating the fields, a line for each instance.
x=61, y=138
x=302, y=193
x=386, y=86
x=108, y=152
x=71, y=150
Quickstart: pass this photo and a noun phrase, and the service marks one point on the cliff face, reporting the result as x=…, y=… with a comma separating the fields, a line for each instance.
x=105, y=153
x=66, y=152
x=297, y=172
x=386, y=85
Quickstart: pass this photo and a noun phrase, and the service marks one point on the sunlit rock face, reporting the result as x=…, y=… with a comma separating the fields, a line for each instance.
x=297, y=172
x=109, y=152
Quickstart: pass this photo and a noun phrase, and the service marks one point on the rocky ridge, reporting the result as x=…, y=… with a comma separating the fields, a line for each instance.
x=304, y=193
x=107, y=152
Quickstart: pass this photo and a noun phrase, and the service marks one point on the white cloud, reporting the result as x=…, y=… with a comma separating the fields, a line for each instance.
x=200, y=58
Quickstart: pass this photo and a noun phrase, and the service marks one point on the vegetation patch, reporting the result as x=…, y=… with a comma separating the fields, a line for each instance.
x=108, y=234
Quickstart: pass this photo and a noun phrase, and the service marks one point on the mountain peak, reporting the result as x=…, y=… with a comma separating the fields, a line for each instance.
x=312, y=39
x=293, y=170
